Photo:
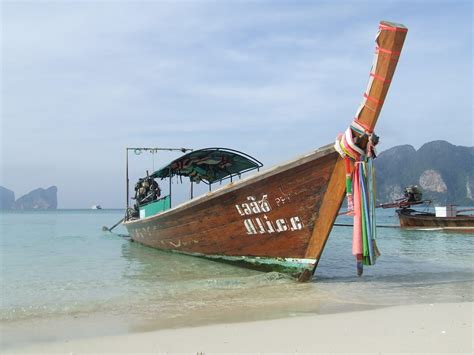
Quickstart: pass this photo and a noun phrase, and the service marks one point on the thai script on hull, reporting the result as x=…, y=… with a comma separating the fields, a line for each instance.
x=263, y=224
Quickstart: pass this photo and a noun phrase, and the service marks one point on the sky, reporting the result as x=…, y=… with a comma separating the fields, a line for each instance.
x=82, y=80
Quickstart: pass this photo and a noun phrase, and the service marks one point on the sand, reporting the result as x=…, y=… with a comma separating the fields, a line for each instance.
x=423, y=328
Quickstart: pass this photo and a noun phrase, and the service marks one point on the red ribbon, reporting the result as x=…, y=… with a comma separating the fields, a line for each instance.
x=396, y=29
x=373, y=99
x=387, y=51
x=381, y=78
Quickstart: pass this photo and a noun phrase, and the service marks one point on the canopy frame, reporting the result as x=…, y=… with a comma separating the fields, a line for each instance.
x=248, y=161
x=138, y=151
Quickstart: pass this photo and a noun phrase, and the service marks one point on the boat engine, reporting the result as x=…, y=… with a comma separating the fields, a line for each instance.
x=146, y=190
x=413, y=194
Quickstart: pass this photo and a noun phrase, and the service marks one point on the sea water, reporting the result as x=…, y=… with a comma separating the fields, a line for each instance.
x=60, y=271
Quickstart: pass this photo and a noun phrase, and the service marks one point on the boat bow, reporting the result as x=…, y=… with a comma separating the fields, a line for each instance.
x=279, y=217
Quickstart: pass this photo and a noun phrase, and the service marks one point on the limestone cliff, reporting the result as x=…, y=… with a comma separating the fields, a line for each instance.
x=444, y=172
x=45, y=199
x=7, y=198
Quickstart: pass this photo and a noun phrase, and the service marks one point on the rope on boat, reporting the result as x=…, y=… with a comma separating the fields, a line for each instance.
x=378, y=226
x=360, y=190
x=357, y=147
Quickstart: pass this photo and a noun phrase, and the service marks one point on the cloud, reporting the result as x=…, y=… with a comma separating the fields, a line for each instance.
x=83, y=80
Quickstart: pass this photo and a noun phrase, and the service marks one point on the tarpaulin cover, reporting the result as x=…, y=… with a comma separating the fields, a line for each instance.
x=209, y=165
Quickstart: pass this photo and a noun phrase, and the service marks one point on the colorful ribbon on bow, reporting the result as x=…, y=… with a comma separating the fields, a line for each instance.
x=360, y=190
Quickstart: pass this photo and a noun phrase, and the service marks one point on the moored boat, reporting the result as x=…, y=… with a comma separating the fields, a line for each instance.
x=445, y=218
x=277, y=219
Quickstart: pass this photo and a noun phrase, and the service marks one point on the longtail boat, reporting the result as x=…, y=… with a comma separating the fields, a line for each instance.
x=278, y=219
x=445, y=218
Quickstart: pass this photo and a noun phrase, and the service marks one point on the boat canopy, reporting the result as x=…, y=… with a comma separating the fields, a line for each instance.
x=209, y=165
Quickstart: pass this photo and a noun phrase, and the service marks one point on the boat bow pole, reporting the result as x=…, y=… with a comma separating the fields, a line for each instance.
x=389, y=43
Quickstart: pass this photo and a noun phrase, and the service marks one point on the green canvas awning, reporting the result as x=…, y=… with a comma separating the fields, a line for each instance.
x=209, y=165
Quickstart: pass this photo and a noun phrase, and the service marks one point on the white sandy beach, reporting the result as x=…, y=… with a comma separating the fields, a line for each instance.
x=424, y=328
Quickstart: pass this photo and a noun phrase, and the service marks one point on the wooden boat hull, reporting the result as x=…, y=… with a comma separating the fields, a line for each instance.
x=411, y=220
x=266, y=221
x=281, y=218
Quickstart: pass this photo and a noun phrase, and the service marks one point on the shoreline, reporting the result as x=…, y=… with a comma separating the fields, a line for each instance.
x=438, y=327
x=26, y=332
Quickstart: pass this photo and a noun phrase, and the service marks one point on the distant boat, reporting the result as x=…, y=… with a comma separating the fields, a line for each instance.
x=277, y=219
x=445, y=218
x=96, y=207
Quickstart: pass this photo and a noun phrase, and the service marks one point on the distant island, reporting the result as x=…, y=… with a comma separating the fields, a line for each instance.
x=38, y=199
x=443, y=171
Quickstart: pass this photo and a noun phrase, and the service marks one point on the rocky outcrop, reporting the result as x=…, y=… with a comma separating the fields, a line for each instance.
x=7, y=198
x=431, y=180
x=470, y=187
x=444, y=172
x=391, y=192
x=45, y=199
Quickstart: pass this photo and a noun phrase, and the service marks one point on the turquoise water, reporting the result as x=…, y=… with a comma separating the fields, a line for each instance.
x=60, y=264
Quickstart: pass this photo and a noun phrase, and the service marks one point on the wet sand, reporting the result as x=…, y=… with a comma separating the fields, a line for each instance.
x=422, y=328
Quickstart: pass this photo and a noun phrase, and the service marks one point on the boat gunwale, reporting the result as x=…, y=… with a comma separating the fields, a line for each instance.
x=316, y=154
x=432, y=216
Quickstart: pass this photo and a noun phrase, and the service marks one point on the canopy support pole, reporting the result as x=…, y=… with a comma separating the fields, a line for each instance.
x=138, y=150
x=170, y=187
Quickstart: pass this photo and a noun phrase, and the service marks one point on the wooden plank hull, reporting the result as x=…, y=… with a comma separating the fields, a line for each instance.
x=280, y=218
x=412, y=220
x=266, y=220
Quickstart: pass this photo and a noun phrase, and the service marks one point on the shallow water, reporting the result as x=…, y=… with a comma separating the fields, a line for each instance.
x=60, y=265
